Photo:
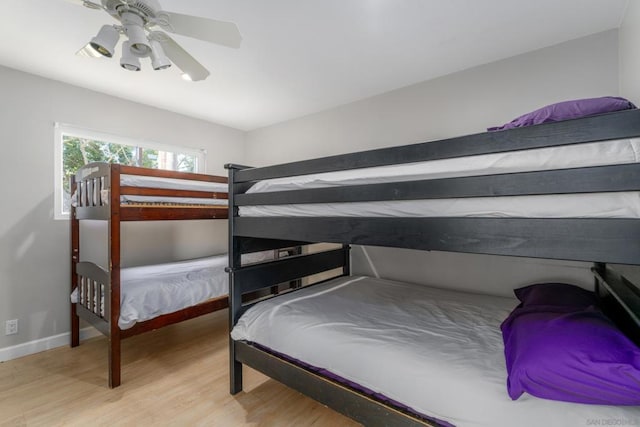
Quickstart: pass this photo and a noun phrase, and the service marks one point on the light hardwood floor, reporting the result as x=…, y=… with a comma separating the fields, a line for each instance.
x=175, y=376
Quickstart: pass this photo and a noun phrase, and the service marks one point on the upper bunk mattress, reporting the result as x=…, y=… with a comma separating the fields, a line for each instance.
x=609, y=205
x=142, y=181
x=171, y=183
x=439, y=352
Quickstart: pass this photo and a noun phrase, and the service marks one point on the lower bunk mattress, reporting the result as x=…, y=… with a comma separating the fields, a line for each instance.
x=438, y=352
x=149, y=291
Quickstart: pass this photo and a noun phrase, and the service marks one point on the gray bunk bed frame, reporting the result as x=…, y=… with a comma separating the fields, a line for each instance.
x=601, y=241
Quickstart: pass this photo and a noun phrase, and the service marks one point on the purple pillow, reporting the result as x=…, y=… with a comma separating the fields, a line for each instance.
x=555, y=294
x=568, y=355
x=568, y=110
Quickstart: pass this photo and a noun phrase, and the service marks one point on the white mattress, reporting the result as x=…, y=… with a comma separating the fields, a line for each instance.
x=128, y=199
x=165, y=183
x=150, y=291
x=439, y=352
x=171, y=183
x=588, y=205
x=571, y=156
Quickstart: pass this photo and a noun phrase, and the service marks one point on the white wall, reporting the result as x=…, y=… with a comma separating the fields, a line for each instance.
x=453, y=105
x=34, y=248
x=457, y=104
x=630, y=53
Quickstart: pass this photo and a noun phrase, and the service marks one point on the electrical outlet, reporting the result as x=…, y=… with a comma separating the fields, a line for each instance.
x=11, y=327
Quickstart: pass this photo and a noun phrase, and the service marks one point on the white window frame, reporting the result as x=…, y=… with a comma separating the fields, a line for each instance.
x=61, y=130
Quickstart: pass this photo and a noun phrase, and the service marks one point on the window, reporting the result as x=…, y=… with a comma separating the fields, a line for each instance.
x=75, y=147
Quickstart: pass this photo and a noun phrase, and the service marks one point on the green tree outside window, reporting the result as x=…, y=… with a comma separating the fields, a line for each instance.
x=77, y=152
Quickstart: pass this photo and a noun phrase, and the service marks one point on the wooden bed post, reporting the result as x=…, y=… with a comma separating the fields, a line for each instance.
x=346, y=270
x=75, y=257
x=114, y=273
x=235, y=298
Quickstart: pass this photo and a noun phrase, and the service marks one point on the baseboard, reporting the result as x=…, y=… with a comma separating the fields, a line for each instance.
x=43, y=344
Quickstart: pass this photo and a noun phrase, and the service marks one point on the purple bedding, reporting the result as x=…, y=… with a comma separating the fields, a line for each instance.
x=562, y=348
x=568, y=110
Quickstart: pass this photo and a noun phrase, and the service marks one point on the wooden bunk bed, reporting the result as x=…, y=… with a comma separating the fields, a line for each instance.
x=102, y=192
x=599, y=239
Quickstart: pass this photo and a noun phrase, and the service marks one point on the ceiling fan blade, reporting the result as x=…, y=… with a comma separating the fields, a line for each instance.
x=180, y=57
x=211, y=30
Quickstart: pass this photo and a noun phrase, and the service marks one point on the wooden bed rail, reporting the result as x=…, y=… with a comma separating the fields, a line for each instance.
x=619, y=298
x=162, y=173
x=249, y=244
x=582, y=239
x=93, y=293
x=265, y=275
x=99, y=169
x=93, y=181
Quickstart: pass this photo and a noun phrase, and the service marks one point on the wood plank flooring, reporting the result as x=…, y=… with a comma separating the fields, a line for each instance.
x=175, y=376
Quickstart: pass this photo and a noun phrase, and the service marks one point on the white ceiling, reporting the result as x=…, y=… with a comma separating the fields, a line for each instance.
x=298, y=56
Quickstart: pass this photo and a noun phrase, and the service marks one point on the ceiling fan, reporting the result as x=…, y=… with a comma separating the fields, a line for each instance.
x=142, y=22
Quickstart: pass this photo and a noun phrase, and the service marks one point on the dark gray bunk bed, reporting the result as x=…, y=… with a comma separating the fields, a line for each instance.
x=601, y=241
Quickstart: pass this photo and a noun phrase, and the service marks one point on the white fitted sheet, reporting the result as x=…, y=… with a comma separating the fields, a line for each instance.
x=440, y=352
x=580, y=205
x=154, y=290
x=588, y=205
x=171, y=183
x=149, y=291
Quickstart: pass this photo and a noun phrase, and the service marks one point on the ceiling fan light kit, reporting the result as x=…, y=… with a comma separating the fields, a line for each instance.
x=105, y=41
x=134, y=31
x=159, y=60
x=128, y=60
x=139, y=19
